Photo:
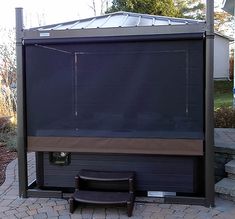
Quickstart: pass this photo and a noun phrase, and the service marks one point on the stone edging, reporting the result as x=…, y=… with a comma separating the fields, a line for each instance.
x=10, y=177
x=12, y=174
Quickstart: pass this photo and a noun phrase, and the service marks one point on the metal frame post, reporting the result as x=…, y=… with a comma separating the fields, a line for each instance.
x=209, y=106
x=21, y=135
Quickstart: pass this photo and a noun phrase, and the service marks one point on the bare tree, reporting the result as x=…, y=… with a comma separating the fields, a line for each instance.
x=41, y=19
x=99, y=7
x=93, y=7
x=35, y=19
x=104, y=5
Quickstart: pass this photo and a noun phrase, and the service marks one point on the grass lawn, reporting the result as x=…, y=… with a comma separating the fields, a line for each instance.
x=223, y=95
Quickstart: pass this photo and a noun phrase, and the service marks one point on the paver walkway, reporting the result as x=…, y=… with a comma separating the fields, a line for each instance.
x=39, y=208
x=225, y=138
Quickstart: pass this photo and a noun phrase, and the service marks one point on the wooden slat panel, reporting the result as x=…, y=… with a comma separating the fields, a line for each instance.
x=186, y=147
x=153, y=172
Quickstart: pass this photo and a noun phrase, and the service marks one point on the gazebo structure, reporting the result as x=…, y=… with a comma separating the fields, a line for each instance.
x=119, y=92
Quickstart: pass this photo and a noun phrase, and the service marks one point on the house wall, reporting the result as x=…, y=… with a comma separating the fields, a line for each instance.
x=221, y=58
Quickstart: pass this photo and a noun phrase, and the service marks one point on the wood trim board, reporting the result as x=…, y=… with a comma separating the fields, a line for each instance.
x=188, y=147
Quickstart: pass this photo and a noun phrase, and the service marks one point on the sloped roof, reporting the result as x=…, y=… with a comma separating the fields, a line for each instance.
x=119, y=19
x=228, y=6
x=118, y=24
x=224, y=36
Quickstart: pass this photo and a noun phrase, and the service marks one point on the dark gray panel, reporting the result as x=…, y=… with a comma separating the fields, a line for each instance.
x=159, y=173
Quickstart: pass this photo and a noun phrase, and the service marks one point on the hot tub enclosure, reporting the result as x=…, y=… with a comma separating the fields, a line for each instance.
x=123, y=91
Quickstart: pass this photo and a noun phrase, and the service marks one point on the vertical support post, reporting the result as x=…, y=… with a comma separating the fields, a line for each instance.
x=209, y=106
x=21, y=135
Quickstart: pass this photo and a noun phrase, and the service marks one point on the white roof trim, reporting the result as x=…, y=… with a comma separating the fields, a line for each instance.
x=224, y=36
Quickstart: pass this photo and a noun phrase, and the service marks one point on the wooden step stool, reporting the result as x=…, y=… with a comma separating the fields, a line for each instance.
x=104, y=197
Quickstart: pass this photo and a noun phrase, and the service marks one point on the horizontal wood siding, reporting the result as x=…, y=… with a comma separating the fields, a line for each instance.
x=158, y=173
x=189, y=147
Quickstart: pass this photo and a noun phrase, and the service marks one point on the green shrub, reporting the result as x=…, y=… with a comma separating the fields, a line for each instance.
x=8, y=133
x=225, y=117
x=11, y=143
x=223, y=94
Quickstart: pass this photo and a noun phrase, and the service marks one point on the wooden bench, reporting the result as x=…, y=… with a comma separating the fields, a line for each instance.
x=104, y=197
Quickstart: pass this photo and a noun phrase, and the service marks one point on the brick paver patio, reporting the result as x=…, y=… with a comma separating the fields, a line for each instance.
x=11, y=206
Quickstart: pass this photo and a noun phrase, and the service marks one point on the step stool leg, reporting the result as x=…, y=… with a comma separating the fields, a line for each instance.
x=131, y=185
x=77, y=181
x=71, y=205
x=129, y=208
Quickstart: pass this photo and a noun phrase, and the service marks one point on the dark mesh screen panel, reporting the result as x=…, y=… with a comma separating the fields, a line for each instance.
x=122, y=89
x=50, y=90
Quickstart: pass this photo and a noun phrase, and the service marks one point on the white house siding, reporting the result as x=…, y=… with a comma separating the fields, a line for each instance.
x=221, y=57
